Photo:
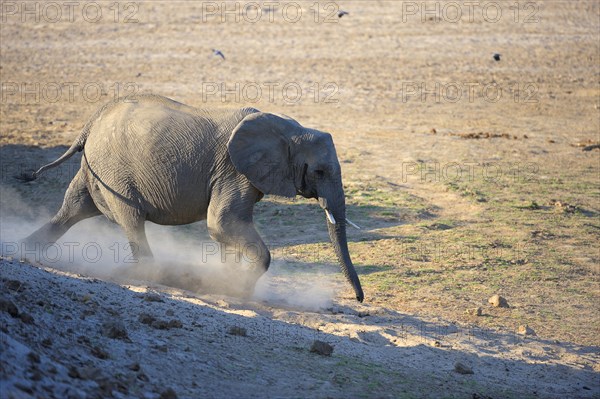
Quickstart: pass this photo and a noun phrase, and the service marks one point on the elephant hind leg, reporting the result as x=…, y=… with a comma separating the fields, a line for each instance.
x=138, y=242
x=77, y=206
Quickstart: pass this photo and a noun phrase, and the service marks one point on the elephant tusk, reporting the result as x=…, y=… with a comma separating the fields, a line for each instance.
x=352, y=224
x=329, y=216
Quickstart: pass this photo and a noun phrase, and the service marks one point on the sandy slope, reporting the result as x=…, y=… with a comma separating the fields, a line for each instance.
x=80, y=337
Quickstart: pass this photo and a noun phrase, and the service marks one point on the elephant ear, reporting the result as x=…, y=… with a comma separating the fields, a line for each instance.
x=260, y=150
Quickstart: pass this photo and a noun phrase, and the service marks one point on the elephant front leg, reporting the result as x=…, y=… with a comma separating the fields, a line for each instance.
x=243, y=252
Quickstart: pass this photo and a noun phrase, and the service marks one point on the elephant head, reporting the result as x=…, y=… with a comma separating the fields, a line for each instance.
x=281, y=157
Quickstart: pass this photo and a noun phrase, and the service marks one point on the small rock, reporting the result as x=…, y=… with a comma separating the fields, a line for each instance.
x=474, y=311
x=15, y=285
x=460, y=368
x=525, y=330
x=36, y=375
x=498, y=301
x=143, y=377
x=47, y=343
x=25, y=388
x=26, y=318
x=161, y=348
x=74, y=372
x=175, y=324
x=170, y=312
x=9, y=307
x=99, y=353
x=236, y=330
x=134, y=367
x=115, y=330
x=160, y=324
x=33, y=357
x=321, y=348
x=168, y=393
x=151, y=297
x=145, y=318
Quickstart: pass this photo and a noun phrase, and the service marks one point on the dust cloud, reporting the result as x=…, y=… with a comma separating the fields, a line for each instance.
x=184, y=258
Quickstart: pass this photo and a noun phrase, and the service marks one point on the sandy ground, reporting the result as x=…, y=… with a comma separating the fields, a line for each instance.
x=383, y=80
x=81, y=337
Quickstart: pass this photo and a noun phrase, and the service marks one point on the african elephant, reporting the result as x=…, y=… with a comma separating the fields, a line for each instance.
x=148, y=157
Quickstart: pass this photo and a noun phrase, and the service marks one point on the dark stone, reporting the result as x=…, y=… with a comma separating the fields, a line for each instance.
x=145, y=318
x=152, y=298
x=9, y=307
x=26, y=318
x=99, y=353
x=134, y=367
x=321, y=348
x=168, y=393
x=462, y=369
x=115, y=330
x=15, y=285
x=236, y=330
x=160, y=324
x=175, y=324
x=33, y=357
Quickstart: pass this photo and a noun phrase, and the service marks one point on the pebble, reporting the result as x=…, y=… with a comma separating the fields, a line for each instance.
x=175, y=324
x=24, y=388
x=168, y=393
x=525, y=330
x=26, y=318
x=461, y=368
x=321, y=348
x=498, y=301
x=134, y=367
x=33, y=357
x=160, y=325
x=99, y=353
x=15, y=285
x=74, y=372
x=115, y=330
x=9, y=307
x=236, y=330
x=474, y=311
x=150, y=297
x=145, y=318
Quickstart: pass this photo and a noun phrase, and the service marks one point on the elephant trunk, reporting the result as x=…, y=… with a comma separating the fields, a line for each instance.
x=336, y=225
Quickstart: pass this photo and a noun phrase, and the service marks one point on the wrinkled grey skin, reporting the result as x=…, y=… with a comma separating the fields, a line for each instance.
x=152, y=158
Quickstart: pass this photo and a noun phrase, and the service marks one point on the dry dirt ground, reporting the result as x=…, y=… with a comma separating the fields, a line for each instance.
x=469, y=177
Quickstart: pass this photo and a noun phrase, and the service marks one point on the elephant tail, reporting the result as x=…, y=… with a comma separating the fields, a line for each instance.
x=77, y=146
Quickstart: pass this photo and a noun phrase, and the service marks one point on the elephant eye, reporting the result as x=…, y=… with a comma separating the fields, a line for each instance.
x=319, y=173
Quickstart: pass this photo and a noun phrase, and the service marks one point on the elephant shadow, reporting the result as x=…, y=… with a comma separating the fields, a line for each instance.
x=300, y=221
